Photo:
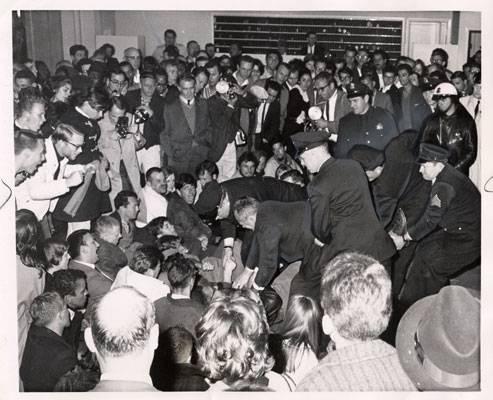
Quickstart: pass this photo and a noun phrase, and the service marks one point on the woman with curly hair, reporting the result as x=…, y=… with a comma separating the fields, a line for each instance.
x=31, y=266
x=232, y=339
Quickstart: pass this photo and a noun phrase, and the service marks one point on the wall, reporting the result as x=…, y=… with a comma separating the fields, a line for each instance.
x=198, y=25
x=469, y=21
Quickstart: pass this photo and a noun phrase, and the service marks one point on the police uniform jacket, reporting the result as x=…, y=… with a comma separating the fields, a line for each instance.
x=343, y=216
x=457, y=133
x=400, y=185
x=282, y=232
x=452, y=217
x=375, y=128
x=95, y=201
x=261, y=189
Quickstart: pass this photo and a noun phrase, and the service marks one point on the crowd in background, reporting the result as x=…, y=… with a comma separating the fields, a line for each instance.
x=191, y=221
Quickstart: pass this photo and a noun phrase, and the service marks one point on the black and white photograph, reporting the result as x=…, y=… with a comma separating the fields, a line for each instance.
x=245, y=198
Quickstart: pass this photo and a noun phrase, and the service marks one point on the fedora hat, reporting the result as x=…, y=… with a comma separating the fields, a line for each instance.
x=438, y=341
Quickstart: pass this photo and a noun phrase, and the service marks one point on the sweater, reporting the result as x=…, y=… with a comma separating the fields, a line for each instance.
x=365, y=366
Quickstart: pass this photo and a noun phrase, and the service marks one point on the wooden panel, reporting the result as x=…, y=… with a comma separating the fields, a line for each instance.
x=258, y=34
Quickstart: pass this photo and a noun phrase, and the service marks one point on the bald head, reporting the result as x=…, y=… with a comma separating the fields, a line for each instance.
x=122, y=322
x=132, y=55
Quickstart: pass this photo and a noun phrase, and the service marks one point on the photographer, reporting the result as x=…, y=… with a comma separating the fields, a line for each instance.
x=119, y=143
x=147, y=105
x=225, y=123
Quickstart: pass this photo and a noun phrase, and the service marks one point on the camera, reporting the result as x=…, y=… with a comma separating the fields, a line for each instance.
x=141, y=115
x=121, y=126
x=223, y=87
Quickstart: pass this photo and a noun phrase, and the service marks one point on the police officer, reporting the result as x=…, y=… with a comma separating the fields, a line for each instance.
x=368, y=125
x=448, y=232
x=343, y=217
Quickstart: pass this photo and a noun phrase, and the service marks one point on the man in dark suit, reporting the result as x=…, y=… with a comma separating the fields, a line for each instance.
x=312, y=47
x=47, y=356
x=372, y=126
x=216, y=201
x=414, y=109
x=71, y=285
x=148, y=100
x=448, y=232
x=388, y=76
x=124, y=346
x=281, y=234
x=378, y=99
x=126, y=211
x=343, y=217
x=185, y=140
x=111, y=258
x=332, y=102
x=267, y=117
x=83, y=248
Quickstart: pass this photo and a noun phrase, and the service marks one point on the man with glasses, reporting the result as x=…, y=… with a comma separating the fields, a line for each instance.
x=148, y=100
x=40, y=192
x=117, y=83
x=453, y=128
x=133, y=57
x=77, y=208
x=332, y=102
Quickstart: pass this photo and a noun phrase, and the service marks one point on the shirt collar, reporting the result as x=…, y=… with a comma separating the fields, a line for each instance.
x=185, y=101
x=87, y=264
x=127, y=376
x=82, y=112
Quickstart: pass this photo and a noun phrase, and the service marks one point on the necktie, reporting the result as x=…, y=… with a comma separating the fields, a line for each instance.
x=188, y=102
x=476, y=109
x=263, y=114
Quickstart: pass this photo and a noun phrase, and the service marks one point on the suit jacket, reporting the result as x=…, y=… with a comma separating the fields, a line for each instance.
x=225, y=122
x=182, y=148
x=97, y=283
x=154, y=125
x=283, y=102
x=187, y=223
x=172, y=312
x=282, y=232
x=319, y=50
x=47, y=357
x=123, y=386
x=111, y=258
x=342, y=109
x=400, y=185
x=342, y=212
x=384, y=101
x=72, y=333
x=395, y=97
x=271, y=125
x=420, y=110
x=296, y=105
x=260, y=188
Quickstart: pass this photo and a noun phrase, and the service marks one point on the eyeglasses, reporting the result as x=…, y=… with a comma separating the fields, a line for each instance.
x=119, y=83
x=76, y=146
x=321, y=88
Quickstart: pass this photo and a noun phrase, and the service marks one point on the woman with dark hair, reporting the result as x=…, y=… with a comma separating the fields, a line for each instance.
x=257, y=70
x=77, y=208
x=298, y=104
x=31, y=264
x=58, y=105
x=300, y=334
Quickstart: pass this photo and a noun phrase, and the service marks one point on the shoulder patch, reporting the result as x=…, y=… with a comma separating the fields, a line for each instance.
x=435, y=201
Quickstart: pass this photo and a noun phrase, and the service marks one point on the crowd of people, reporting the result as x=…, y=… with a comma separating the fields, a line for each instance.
x=192, y=221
